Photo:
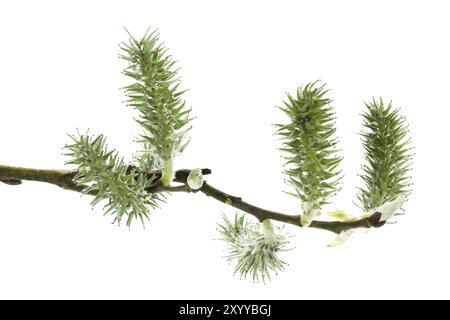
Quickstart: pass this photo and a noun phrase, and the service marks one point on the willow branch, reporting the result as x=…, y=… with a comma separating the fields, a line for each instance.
x=64, y=179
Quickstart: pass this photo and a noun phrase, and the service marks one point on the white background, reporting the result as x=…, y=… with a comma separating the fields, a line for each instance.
x=59, y=70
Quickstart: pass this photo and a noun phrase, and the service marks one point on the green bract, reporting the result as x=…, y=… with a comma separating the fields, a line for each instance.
x=102, y=172
x=156, y=95
x=387, y=155
x=309, y=142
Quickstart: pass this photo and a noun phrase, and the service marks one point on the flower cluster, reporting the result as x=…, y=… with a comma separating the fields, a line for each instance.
x=308, y=139
x=255, y=247
x=103, y=173
x=387, y=154
x=155, y=94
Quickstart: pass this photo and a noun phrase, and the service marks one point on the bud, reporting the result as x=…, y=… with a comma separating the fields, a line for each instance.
x=195, y=179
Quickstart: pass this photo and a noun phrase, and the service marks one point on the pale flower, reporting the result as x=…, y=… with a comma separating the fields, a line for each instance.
x=389, y=209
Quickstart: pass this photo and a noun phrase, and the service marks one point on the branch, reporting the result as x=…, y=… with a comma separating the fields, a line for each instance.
x=63, y=178
x=262, y=214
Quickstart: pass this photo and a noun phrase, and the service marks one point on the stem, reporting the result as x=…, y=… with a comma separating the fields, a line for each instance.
x=63, y=178
x=268, y=230
x=167, y=172
x=267, y=225
x=262, y=214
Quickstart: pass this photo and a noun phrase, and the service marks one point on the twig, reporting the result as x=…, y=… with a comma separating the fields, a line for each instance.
x=64, y=179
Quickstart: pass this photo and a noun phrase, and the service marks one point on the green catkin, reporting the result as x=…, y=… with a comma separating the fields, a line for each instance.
x=310, y=145
x=387, y=155
x=102, y=171
x=155, y=94
x=254, y=247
